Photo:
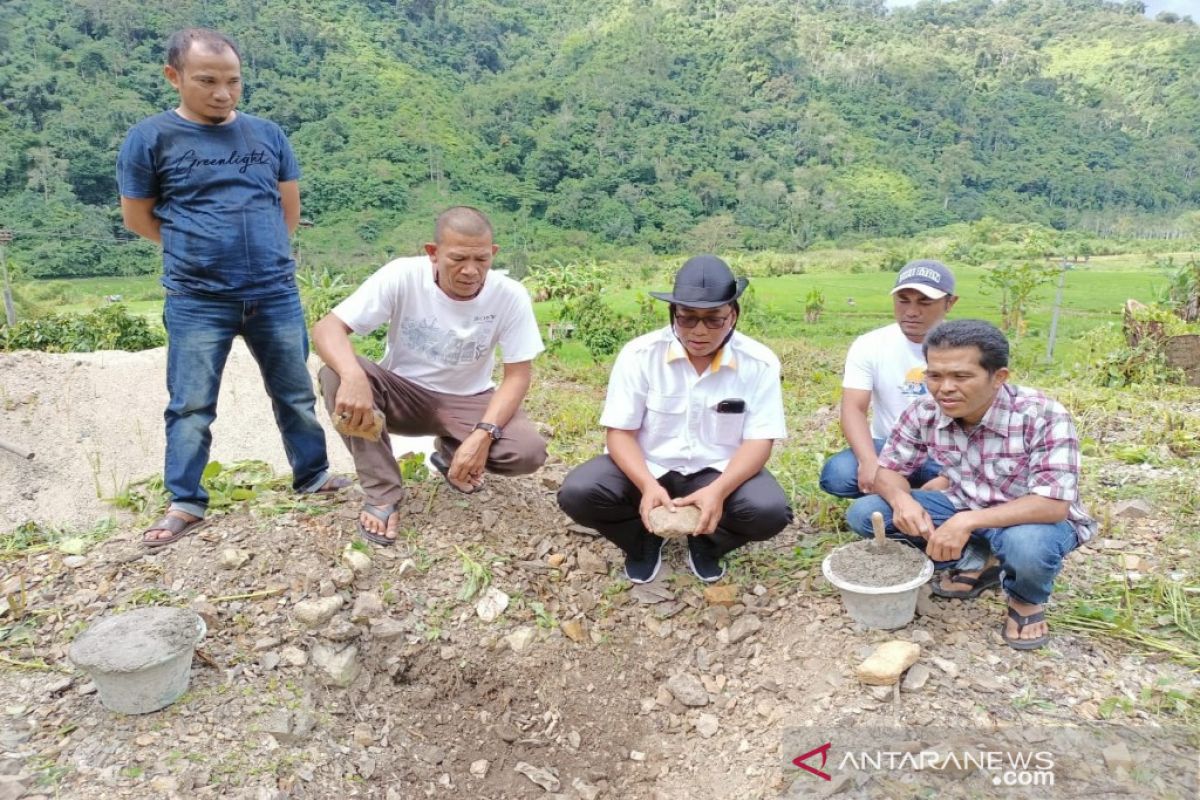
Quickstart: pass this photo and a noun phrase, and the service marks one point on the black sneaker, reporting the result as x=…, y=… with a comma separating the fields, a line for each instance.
x=703, y=564
x=645, y=568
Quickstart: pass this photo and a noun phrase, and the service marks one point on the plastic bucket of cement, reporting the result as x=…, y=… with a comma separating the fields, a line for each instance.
x=141, y=660
x=884, y=607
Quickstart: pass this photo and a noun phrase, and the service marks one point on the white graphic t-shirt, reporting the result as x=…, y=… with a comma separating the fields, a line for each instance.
x=886, y=364
x=442, y=344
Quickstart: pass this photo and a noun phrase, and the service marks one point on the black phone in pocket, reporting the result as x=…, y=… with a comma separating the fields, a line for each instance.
x=732, y=405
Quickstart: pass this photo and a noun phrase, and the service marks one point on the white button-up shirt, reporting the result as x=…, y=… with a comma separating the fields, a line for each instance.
x=655, y=390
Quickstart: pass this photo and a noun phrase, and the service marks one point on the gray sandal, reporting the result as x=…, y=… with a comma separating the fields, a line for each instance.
x=383, y=514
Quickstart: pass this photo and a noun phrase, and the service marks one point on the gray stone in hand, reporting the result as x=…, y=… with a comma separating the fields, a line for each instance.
x=674, y=524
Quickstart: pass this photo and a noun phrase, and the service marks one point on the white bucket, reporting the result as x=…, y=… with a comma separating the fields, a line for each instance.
x=884, y=607
x=141, y=660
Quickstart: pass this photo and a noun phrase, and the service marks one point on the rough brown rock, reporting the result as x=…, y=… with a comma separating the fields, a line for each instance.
x=885, y=666
x=676, y=524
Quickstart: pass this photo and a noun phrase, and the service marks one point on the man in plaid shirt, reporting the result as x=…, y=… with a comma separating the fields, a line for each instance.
x=1006, y=507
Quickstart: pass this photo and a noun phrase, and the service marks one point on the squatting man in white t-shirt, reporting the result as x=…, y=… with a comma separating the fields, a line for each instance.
x=446, y=314
x=692, y=412
x=885, y=371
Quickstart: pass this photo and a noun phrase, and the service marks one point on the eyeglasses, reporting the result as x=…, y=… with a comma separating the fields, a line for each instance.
x=712, y=323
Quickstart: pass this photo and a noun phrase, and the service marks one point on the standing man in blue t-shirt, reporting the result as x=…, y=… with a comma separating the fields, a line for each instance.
x=218, y=190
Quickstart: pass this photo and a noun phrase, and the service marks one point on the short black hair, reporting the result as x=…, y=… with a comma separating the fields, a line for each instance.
x=180, y=43
x=467, y=220
x=992, y=344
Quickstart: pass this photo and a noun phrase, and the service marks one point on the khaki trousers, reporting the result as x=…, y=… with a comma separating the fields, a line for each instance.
x=412, y=410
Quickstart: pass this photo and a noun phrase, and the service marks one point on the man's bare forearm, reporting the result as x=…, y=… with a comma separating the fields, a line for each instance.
x=748, y=460
x=858, y=435
x=137, y=213
x=892, y=486
x=855, y=425
x=509, y=394
x=1032, y=509
x=331, y=340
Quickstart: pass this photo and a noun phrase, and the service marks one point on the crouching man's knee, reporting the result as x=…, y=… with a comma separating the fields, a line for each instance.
x=525, y=458
x=770, y=519
x=530, y=460
x=329, y=381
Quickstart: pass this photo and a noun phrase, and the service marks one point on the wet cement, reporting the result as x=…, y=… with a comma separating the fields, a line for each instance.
x=860, y=563
x=136, y=639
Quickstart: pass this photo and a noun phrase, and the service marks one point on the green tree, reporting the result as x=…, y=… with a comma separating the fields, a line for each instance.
x=1016, y=283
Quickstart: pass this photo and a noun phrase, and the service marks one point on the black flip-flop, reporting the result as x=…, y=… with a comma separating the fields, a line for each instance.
x=439, y=463
x=383, y=514
x=979, y=584
x=178, y=527
x=1022, y=621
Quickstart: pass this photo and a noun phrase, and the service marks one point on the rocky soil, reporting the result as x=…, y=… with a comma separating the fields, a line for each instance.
x=495, y=652
x=334, y=672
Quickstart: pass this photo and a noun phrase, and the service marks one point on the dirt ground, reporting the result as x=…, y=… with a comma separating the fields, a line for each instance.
x=583, y=687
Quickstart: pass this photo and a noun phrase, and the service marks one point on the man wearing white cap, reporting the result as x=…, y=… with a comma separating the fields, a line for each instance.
x=885, y=370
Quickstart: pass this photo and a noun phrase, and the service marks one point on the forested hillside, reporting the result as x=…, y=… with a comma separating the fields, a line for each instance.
x=651, y=124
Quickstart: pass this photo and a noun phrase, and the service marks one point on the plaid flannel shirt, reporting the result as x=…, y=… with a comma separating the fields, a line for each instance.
x=1025, y=444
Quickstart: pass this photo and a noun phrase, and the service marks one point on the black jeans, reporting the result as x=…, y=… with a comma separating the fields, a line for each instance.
x=597, y=494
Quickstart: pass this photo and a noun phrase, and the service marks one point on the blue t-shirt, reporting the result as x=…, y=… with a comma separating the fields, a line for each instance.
x=217, y=192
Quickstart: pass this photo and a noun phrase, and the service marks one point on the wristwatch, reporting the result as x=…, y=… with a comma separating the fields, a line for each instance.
x=495, y=431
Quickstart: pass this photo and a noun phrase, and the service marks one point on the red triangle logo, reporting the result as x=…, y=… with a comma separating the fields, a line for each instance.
x=824, y=751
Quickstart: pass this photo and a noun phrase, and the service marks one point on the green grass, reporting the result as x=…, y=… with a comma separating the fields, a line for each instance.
x=31, y=538
x=1095, y=289
x=140, y=294
x=1155, y=614
x=1091, y=297
x=783, y=568
x=477, y=575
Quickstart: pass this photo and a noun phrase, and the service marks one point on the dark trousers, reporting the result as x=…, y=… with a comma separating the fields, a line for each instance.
x=599, y=495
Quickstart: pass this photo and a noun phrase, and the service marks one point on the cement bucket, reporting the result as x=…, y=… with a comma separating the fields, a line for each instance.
x=883, y=607
x=141, y=660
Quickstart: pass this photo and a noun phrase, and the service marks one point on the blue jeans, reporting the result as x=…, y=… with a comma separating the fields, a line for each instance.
x=1030, y=555
x=839, y=473
x=200, y=332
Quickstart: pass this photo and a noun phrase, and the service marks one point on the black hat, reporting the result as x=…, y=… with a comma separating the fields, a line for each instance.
x=704, y=282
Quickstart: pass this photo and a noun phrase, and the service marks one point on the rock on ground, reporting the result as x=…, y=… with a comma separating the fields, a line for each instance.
x=687, y=689
x=318, y=611
x=885, y=666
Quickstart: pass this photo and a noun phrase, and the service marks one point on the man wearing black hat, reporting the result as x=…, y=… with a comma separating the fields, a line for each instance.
x=885, y=371
x=692, y=412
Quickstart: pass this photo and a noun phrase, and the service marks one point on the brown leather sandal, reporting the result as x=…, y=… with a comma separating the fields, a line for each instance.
x=177, y=526
x=334, y=485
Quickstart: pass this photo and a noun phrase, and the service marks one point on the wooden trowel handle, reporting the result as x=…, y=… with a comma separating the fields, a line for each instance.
x=877, y=525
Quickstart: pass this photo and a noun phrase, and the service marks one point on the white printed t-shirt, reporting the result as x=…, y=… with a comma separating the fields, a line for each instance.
x=886, y=364
x=656, y=391
x=441, y=344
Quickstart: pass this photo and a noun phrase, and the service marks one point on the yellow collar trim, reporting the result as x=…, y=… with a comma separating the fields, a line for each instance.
x=723, y=358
